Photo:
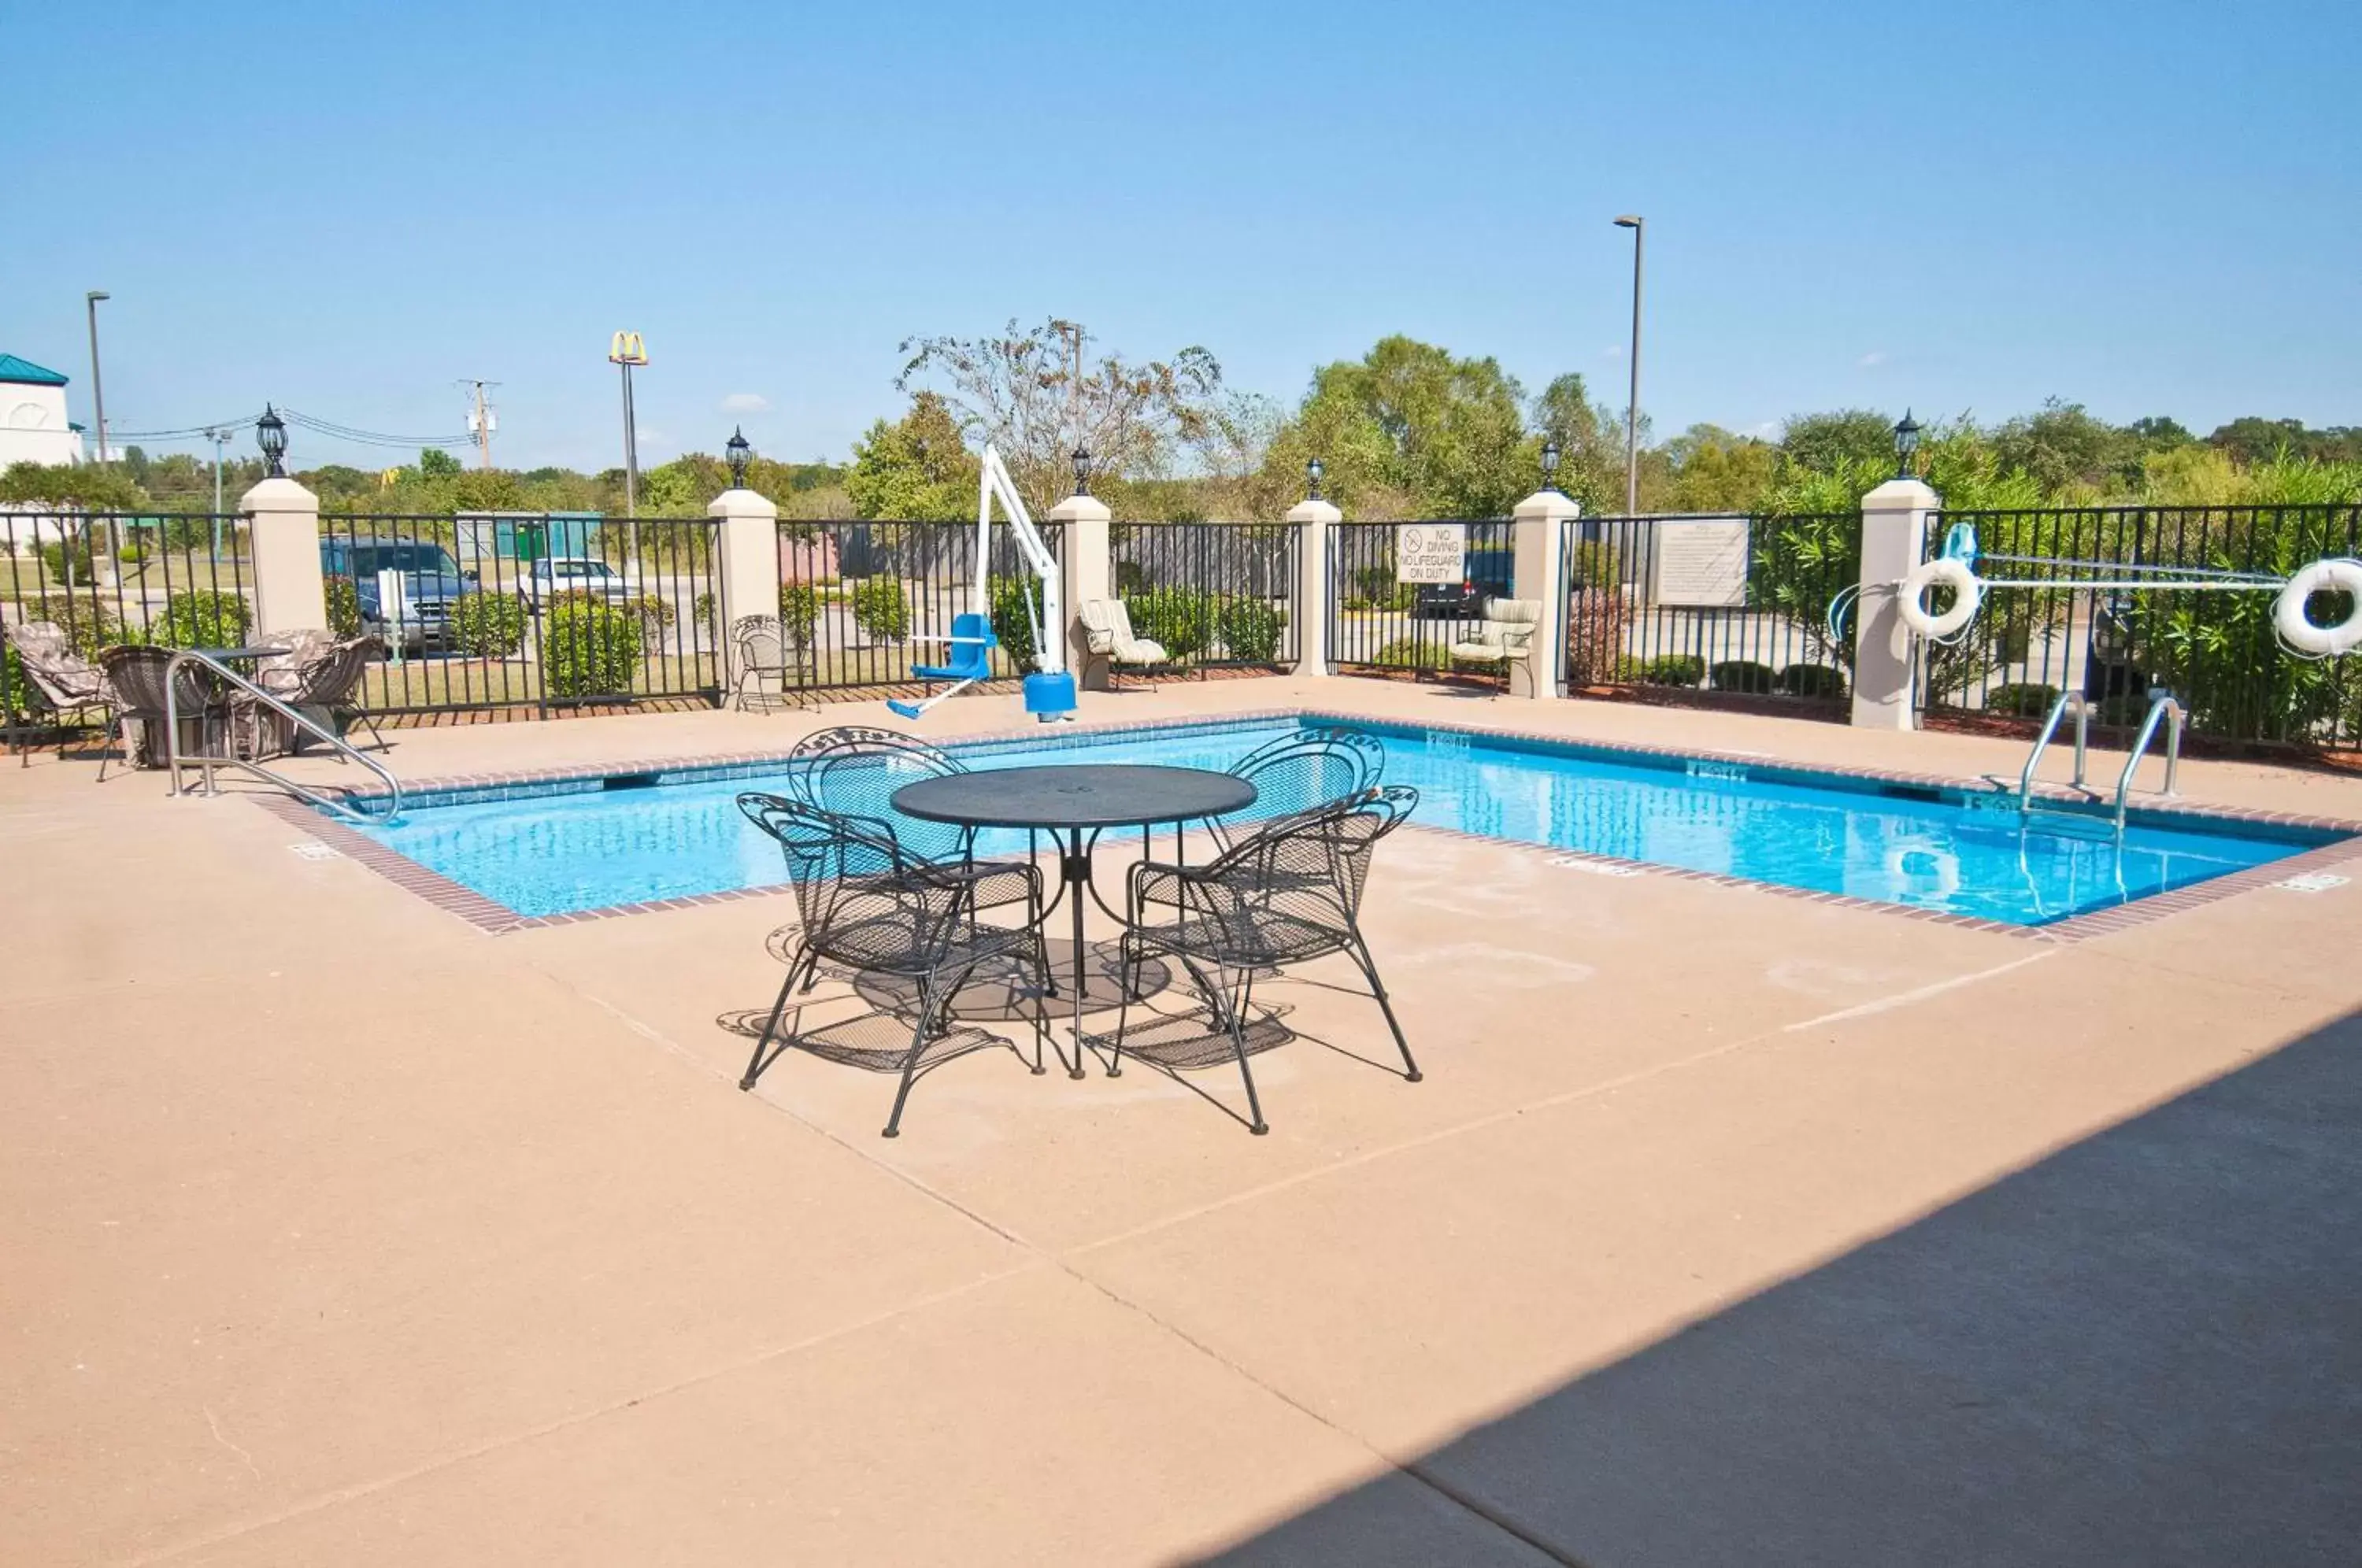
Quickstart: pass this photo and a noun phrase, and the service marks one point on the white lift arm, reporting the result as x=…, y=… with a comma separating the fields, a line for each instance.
x=1050, y=633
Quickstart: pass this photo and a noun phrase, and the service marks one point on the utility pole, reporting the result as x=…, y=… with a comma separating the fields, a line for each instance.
x=482, y=422
x=97, y=391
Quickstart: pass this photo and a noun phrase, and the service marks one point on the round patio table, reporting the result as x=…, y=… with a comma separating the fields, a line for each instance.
x=1067, y=803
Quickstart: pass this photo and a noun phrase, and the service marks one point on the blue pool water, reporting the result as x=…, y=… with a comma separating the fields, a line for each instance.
x=598, y=846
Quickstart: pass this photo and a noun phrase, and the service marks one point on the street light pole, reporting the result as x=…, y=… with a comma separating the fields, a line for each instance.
x=627, y=349
x=218, y=437
x=97, y=390
x=1632, y=400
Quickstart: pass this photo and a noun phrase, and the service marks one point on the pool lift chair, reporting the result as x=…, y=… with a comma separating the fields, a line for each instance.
x=1050, y=689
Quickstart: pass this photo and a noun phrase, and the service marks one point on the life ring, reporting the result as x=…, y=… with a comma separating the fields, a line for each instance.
x=1967, y=594
x=2297, y=629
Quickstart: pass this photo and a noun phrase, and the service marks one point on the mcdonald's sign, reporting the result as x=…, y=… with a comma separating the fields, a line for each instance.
x=625, y=348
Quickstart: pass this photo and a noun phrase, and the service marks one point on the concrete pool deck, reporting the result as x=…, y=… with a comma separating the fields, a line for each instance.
x=1724, y=1225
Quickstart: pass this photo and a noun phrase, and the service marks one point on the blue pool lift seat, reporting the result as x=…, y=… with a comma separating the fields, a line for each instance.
x=972, y=642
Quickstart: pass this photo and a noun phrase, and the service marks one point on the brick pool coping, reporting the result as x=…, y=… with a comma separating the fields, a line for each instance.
x=491, y=917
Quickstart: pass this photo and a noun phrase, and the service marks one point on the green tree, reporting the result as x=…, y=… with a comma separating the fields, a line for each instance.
x=436, y=463
x=916, y=469
x=1590, y=439
x=1037, y=393
x=1408, y=428
x=81, y=487
x=2071, y=455
x=1714, y=471
x=1831, y=443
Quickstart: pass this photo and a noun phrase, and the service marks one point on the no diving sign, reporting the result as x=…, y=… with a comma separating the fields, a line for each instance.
x=1430, y=552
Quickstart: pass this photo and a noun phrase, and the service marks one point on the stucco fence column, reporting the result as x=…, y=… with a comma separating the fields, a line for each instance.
x=1314, y=582
x=1084, y=574
x=1885, y=658
x=282, y=539
x=746, y=568
x=1538, y=538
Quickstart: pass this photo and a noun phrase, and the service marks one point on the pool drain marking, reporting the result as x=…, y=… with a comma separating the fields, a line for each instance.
x=2312, y=882
x=313, y=849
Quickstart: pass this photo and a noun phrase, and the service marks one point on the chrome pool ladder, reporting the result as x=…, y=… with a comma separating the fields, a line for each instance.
x=2068, y=702
x=2162, y=705
x=207, y=762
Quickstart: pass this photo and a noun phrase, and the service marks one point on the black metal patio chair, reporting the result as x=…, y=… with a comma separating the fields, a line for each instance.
x=853, y=769
x=1283, y=896
x=140, y=676
x=866, y=904
x=1302, y=771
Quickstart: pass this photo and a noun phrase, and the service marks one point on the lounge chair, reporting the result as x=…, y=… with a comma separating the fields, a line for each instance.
x=64, y=679
x=864, y=904
x=317, y=677
x=1107, y=635
x=1505, y=637
x=1282, y=896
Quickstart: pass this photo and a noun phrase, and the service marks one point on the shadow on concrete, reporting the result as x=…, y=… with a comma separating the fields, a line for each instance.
x=2146, y=1349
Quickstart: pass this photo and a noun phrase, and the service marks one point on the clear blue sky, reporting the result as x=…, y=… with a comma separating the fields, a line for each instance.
x=2147, y=208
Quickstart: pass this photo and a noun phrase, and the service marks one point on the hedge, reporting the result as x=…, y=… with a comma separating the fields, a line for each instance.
x=589, y=649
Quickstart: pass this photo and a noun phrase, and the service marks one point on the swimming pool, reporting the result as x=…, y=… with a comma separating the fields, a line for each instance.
x=633, y=838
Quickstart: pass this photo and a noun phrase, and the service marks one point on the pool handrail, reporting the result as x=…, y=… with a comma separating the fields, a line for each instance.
x=174, y=762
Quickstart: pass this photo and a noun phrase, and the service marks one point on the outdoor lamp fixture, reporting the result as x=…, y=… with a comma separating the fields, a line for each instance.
x=1082, y=470
x=1906, y=442
x=739, y=454
x=1312, y=471
x=1550, y=465
x=270, y=433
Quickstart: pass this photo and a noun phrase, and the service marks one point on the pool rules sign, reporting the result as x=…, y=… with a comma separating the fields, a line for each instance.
x=1430, y=552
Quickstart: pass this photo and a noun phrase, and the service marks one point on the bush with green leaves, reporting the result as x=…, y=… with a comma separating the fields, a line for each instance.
x=344, y=597
x=1011, y=598
x=1251, y=629
x=20, y=698
x=67, y=559
x=798, y=615
x=881, y=607
x=1815, y=680
x=1673, y=670
x=589, y=649
x=1413, y=653
x=1182, y=619
x=1374, y=587
x=201, y=618
x=1743, y=675
x=2021, y=698
x=488, y=625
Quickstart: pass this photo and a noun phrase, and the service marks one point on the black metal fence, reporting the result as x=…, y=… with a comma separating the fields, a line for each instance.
x=1376, y=622
x=1725, y=605
x=181, y=579
x=1213, y=594
x=527, y=610
x=2215, y=649
x=857, y=597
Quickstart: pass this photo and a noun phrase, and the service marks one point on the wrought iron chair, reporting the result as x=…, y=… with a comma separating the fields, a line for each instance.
x=1283, y=896
x=853, y=769
x=63, y=679
x=865, y=904
x=764, y=655
x=1302, y=771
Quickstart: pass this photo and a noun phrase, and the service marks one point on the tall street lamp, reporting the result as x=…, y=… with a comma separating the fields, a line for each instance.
x=97, y=391
x=625, y=349
x=1632, y=400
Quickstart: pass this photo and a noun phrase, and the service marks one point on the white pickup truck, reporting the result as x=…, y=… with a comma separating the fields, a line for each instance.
x=576, y=574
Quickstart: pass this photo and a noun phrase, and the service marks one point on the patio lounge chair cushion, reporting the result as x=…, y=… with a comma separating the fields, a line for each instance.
x=61, y=675
x=1107, y=626
x=1506, y=632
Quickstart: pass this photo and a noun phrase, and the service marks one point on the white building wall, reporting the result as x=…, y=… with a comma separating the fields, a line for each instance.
x=33, y=427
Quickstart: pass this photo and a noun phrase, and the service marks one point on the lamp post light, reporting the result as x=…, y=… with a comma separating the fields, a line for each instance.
x=1907, y=445
x=270, y=435
x=1082, y=470
x=98, y=388
x=1632, y=400
x=739, y=453
x=1312, y=471
x=1550, y=465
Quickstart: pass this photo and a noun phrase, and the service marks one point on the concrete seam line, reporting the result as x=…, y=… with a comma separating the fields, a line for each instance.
x=1917, y=994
